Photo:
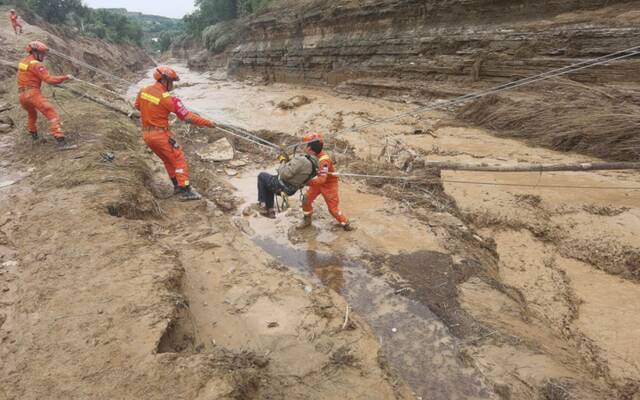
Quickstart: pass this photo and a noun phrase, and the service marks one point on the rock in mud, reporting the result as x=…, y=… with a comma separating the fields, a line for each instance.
x=220, y=150
x=294, y=102
x=4, y=128
x=243, y=225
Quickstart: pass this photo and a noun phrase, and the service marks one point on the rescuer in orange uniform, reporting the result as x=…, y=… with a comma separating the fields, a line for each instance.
x=155, y=104
x=31, y=73
x=324, y=184
x=14, y=21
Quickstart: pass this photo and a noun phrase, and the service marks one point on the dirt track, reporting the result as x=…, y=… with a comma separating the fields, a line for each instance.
x=109, y=290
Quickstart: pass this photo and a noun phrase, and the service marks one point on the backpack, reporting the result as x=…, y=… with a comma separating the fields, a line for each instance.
x=314, y=167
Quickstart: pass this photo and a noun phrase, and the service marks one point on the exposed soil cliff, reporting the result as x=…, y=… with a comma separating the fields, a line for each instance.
x=423, y=51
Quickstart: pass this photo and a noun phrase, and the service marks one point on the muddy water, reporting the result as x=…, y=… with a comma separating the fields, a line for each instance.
x=418, y=346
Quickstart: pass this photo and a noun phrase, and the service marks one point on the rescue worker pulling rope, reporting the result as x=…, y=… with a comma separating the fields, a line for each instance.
x=15, y=23
x=325, y=184
x=31, y=74
x=155, y=104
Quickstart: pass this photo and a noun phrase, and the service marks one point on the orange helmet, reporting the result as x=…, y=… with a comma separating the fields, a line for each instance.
x=37, y=46
x=313, y=137
x=165, y=72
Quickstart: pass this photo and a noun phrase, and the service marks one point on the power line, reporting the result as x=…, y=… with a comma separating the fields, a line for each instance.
x=619, y=55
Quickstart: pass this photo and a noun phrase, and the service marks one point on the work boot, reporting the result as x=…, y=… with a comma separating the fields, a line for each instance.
x=35, y=137
x=64, y=145
x=268, y=212
x=306, y=222
x=176, y=186
x=188, y=194
x=348, y=227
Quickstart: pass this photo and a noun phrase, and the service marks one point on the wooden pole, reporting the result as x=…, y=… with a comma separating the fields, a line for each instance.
x=587, y=166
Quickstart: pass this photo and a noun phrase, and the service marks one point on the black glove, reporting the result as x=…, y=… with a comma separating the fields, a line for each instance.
x=173, y=143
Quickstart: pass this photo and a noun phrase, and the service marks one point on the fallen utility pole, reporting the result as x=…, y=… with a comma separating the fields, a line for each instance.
x=97, y=100
x=587, y=166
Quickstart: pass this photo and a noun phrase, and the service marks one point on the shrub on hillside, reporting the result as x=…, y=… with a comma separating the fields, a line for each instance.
x=217, y=37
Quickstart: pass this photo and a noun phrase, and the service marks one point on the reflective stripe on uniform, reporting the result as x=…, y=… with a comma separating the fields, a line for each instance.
x=150, y=98
x=23, y=67
x=165, y=95
x=323, y=158
x=179, y=171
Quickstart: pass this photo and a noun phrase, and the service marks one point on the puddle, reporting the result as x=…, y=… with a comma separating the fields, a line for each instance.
x=417, y=345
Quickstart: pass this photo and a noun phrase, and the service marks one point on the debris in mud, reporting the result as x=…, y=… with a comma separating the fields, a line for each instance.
x=138, y=205
x=220, y=150
x=343, y=357
x=294, y=102
x=243, y=225
x=531, y=199
x=397, y=153
x=605, y=211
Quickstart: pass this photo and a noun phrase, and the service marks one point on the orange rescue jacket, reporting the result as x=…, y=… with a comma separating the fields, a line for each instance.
x=325, y=169
x=156, y=103
x=32, y=72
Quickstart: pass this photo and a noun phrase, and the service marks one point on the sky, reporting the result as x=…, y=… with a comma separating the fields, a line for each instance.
x=174, y=8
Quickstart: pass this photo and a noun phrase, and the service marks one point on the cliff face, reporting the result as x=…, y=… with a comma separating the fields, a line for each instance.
x=418, y=40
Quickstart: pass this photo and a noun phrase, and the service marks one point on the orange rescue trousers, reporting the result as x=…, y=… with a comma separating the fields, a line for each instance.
x=171, y=155
x=17, y=28
x=33, y=101
x=330, y=193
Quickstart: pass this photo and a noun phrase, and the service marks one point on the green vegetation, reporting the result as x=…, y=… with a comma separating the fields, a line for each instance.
x=212, y=21
x=112, y=27
x=103, y=24
x=211, y=12
x=158, y=32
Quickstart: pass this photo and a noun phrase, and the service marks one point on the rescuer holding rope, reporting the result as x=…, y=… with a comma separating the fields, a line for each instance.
x=155, y=104
x=324, y=184
x=31, y=73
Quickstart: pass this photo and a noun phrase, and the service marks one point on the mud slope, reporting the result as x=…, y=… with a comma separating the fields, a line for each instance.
x=108, y=289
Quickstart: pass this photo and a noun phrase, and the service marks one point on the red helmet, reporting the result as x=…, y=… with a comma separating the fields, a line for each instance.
x=37, y=46
x=313, y=137
x=165, y=72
